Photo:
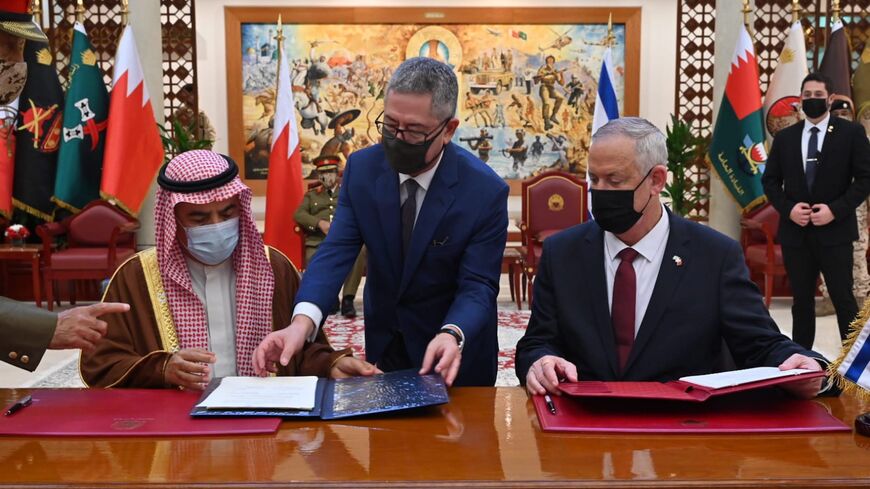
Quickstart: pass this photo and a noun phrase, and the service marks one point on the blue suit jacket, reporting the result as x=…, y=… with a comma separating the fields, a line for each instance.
x=693, y=308
x=451, y=272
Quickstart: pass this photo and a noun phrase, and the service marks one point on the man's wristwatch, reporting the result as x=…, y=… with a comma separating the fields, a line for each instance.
x=458, y=337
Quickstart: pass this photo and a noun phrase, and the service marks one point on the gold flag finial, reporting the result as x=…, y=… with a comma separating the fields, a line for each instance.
x=125, y=12
x=835, y=17
x=36, y=11
x=280, y=39
x=610, y=36
x=80, y=12
x=795, y=11
x=280, y=35
x=747, y=16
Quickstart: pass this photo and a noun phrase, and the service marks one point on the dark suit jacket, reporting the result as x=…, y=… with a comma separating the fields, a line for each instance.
x=842, y=181
x=25, y=332
x=449, y=276
x=692, y=309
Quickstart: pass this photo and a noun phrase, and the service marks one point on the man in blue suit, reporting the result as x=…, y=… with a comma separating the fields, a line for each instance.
x=640, y=294
x=433, y=219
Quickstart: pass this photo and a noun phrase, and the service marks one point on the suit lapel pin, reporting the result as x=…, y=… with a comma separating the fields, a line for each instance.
x=830, y=128
x=677, y=260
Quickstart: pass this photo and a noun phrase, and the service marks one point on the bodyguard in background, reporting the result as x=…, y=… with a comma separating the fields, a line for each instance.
x=817, y=173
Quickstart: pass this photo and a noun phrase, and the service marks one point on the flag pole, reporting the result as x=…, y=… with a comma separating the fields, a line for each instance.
x=747, y=18
x=80, y=12
x=610, y=37
x=36, y=12
x=795, y=11
x=125, y=13
x=280, y=39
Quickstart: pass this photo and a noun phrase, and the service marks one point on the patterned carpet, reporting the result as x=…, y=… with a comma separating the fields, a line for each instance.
x=343, y=332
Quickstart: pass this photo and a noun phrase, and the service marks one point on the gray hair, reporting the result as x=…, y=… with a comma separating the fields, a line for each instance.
x=650, y=148
x=427, y=76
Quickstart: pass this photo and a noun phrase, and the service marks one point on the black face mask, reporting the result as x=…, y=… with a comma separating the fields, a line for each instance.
x=613, y=210
x=814, y=107
x=408, y=158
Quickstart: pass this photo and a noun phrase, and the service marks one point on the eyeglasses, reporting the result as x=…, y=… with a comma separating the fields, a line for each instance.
x=392, y=131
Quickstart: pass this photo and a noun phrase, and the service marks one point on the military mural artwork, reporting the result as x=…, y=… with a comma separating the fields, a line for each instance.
x=527, y=92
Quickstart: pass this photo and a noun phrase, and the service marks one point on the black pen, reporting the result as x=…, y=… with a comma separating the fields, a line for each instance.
x=19, y=405
x=550, y=406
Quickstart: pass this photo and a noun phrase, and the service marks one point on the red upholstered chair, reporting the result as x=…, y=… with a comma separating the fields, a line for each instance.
x=760, y=246
x=99, y=239
x=552, y=201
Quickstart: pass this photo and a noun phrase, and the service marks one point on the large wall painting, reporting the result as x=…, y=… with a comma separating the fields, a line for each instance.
x=526, y=91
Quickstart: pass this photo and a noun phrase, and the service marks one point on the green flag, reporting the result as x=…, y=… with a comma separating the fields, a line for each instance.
x=737, y=150
x=80, y=161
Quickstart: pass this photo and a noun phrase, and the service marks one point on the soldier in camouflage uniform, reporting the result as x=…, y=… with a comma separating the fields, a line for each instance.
x=842, y=107
x=314, y=217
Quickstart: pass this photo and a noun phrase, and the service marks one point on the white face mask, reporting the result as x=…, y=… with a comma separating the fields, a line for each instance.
x=212, y=244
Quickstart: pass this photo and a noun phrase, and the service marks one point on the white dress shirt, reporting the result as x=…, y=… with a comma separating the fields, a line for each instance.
x=216, y=288
x=424, y=180
x=651, y=249
x=805, y=136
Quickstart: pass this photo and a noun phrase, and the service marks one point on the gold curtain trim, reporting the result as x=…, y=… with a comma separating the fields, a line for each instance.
x=65, y=205
x=116, y=201
x=32, y=210
x=162, y=313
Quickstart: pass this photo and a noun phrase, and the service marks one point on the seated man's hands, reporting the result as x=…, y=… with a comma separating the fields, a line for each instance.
x=188, y=368
x=280, y=346
x=808, y=388
x=443, y=348
x=352, y=367
x=545, y=373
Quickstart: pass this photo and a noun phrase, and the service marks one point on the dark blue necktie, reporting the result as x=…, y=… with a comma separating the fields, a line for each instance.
x=409, y=213
x=812, y=157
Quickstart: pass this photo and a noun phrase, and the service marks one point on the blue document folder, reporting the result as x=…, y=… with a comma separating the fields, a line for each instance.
x=354, y=396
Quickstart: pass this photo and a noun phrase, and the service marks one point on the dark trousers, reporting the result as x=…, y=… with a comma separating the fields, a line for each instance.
x=395, y=356
x=803, y=264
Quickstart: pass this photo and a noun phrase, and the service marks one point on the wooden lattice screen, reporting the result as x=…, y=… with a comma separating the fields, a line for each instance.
x=103, y=25
x=695, y=50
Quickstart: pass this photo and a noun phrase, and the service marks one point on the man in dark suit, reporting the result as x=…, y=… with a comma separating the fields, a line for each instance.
x=433, y=219
x=640, y=294
x=817, y=173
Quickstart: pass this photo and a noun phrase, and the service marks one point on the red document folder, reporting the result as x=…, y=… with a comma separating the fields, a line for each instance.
x=751, y=412
x=676, y=390
x=122, y=412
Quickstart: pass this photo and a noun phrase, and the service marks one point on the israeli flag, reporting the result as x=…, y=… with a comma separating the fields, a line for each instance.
x=855, y=366
x=606, y=107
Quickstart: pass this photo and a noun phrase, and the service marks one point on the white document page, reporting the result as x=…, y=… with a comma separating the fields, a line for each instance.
x=263, y=393
x=740, y=377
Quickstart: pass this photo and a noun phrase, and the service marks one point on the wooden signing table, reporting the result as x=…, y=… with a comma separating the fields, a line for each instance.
x=485, y=437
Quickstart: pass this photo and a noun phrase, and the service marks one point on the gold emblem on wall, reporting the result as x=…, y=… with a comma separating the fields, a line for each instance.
x=556, y=202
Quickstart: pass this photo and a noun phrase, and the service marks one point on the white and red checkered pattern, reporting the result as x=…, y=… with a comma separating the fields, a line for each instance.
x=255, y=281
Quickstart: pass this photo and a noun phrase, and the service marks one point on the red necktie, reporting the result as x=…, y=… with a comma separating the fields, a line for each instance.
x=622, y=306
